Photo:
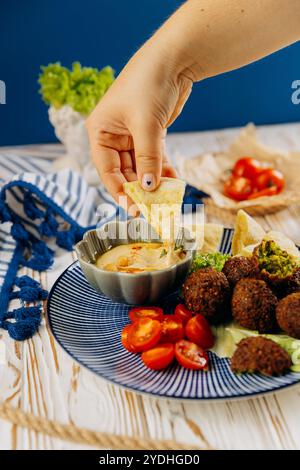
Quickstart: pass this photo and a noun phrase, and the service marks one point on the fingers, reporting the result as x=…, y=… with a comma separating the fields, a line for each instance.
x=127, y=166
x=167, y=168
x=147, y=137
x=118, y=141
x=168, y=171
x=108, y=164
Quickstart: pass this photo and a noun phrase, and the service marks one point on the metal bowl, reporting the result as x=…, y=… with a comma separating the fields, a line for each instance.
x=138, y=288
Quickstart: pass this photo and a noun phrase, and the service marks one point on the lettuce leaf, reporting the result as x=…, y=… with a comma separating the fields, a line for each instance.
x=81, y=87
x=213, y=260
x=55, y=84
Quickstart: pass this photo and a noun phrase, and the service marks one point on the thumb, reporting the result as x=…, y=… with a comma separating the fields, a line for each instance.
x=148, y=143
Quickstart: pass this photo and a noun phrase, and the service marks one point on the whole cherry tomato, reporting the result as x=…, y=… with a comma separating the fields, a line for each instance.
x=182, y=313
x=190, y=355
x=159, y=357
x=238, y=188
x=144, y=334
x=155, y=313
x=247, y=167
x=172, y=329
x=198, y=331
x=270, y=178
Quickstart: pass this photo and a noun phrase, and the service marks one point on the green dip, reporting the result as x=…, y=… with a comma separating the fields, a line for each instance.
x=272, y=259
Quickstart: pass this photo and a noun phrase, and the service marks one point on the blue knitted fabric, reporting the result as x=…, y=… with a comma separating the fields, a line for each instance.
x=39, y=211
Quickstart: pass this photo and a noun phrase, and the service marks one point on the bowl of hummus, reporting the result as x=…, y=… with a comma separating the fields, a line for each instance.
x=129, y=263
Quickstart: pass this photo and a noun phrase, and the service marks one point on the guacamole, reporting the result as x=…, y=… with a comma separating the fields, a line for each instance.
x=273, y=260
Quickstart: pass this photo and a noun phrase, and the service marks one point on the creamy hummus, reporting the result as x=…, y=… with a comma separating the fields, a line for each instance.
x=140, y=257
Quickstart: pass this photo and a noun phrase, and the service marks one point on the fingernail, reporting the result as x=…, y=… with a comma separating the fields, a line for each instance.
x=148, y=181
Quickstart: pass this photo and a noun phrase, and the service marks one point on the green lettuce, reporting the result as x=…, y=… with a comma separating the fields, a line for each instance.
x=55, y=84
x=81, y=87
x=213, y=260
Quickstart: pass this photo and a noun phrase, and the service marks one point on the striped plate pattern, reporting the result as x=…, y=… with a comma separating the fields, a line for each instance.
x=88, y=326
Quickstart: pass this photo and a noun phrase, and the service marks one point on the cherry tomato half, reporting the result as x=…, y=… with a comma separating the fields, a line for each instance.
x=172, y=329
x=191, y=356
x=124, y=339
x=155, y=313
x=182, y=313
x=198, y=331
x=270, y=178
x=247, y=167
x=159, y=357
x=144, y=334
x=238, y=188
x=264, y=192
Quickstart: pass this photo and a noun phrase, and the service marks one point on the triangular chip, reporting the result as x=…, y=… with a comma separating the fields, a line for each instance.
x=246, y=232
x=207, y=235
x=212, y=238
x=161, y=207
x=247, y=251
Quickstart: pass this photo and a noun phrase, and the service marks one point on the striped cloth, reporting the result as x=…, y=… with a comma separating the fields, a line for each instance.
x=39, y=210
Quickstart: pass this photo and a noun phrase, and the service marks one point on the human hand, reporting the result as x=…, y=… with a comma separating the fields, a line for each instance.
x=127, y=129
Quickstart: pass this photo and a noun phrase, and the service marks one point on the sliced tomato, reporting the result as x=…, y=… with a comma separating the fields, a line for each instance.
x=155, y=313
x=124, y=339
x=270, y=178
x=144, y=334
x=247, y=167
x=172, y=329
x=190, y=355
x=198, y=331
x=238, y=188
x=159, y=357
x=264, y=192
x=182, y=313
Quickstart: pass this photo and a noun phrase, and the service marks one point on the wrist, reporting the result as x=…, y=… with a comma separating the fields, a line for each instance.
x=167, y=47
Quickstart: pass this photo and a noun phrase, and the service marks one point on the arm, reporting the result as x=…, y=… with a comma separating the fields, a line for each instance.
x=202, y=39
x=212, y=37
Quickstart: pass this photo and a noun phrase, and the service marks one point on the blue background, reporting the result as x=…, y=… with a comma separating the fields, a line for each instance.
x=101, y=32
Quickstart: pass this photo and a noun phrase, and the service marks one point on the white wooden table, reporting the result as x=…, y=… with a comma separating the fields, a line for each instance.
x=41, y=378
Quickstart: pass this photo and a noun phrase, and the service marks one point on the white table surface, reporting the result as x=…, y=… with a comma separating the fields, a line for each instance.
x=41, y=378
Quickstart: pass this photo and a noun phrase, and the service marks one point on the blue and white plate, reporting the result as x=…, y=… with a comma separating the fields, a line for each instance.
x=88, y=327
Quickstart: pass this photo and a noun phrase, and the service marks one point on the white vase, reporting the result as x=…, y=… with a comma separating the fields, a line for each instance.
x=69, y=127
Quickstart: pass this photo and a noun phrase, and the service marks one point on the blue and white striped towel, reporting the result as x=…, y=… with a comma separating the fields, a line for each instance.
x=39, y=210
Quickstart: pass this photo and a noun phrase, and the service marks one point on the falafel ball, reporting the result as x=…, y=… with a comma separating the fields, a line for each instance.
x=293, y=282
x=259, y=354
x=253, y=305
x=282, y=286
x=239, y=267
x=288, y=314
x=207, y=291
x=277, y=267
